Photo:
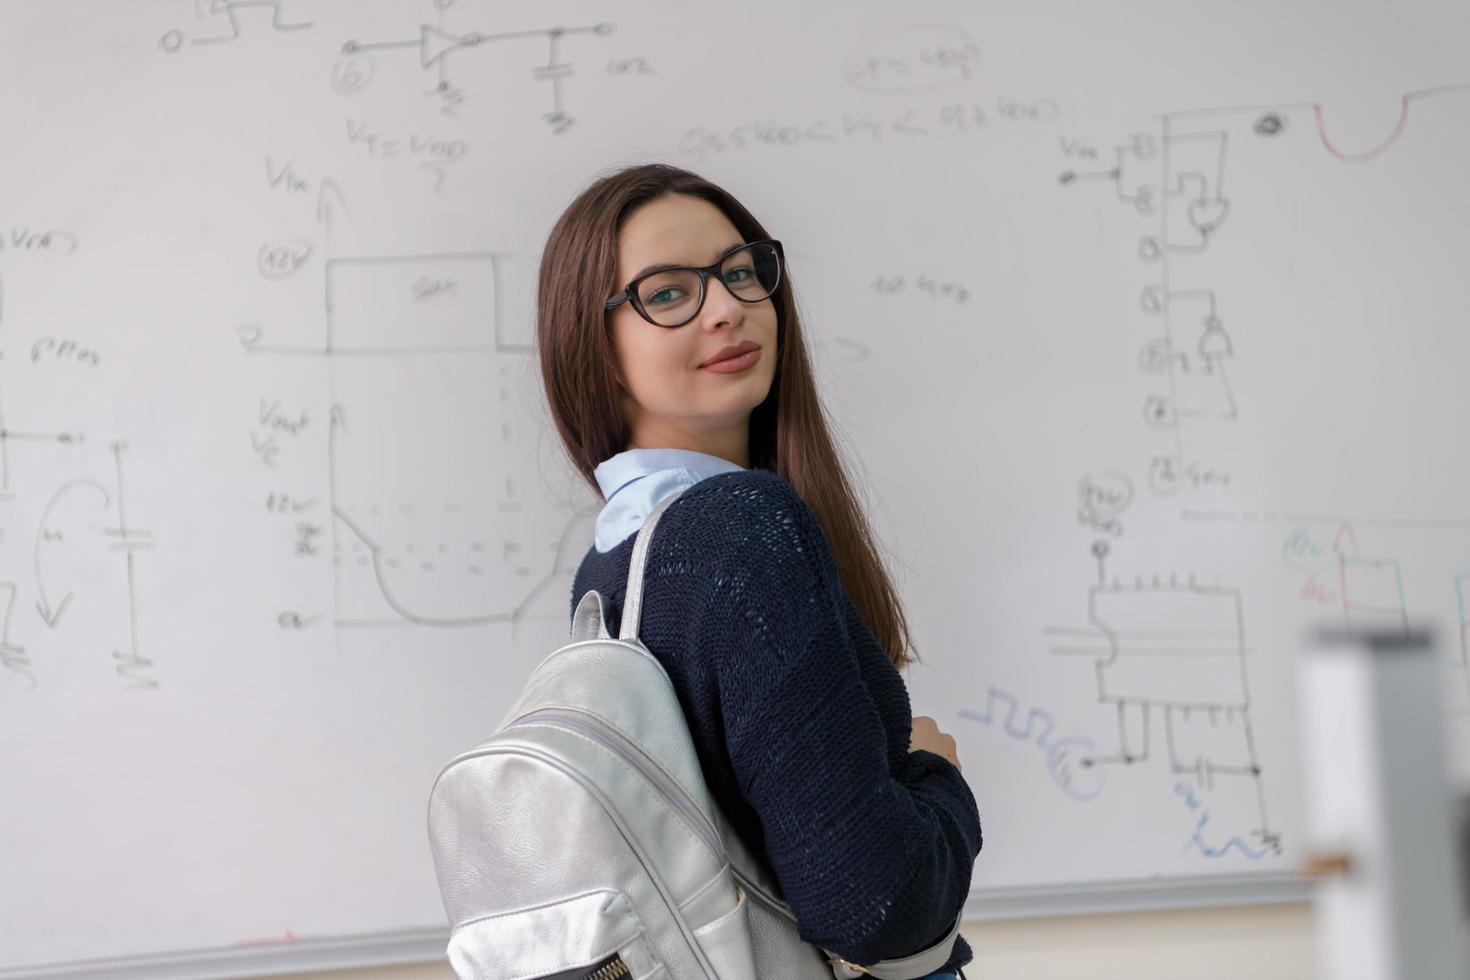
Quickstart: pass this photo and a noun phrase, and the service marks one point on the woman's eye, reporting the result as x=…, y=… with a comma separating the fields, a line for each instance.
x=734, y=275
x=663, y=295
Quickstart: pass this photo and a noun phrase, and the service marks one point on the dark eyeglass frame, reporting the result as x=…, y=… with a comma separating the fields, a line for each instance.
x=630, y=291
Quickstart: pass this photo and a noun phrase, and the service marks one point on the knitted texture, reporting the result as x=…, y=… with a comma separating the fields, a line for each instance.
x=800, y=721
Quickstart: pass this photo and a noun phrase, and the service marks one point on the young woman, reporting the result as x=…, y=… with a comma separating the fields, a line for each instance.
x=673, y=359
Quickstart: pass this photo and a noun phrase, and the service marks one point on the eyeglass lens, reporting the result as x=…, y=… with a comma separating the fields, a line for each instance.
x=673, y=297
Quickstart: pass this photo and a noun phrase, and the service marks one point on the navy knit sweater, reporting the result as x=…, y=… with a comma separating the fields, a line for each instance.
x=801, y=722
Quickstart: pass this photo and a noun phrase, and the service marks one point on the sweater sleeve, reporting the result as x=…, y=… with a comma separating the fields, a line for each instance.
x=876, y=864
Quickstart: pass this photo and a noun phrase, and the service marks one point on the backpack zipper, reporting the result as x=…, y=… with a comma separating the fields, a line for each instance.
x=611, y=968
x=632, y=753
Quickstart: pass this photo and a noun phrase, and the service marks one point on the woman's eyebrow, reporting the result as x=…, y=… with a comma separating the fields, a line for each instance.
x=679, y=265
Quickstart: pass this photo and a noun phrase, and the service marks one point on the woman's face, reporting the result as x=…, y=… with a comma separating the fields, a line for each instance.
x=670, y=400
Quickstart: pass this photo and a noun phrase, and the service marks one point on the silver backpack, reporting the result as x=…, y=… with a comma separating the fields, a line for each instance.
x=580, y=840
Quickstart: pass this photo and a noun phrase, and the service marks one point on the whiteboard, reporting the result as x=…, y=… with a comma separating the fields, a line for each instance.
x=1144, y=327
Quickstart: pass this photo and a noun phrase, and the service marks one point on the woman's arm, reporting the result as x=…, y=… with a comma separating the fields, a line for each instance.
x=876, y=863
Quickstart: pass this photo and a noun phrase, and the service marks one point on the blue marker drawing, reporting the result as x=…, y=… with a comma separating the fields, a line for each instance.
x=1080, y=782
x=1197, y=840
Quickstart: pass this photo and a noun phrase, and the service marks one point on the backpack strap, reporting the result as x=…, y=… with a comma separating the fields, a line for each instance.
x=589, y=620
x=633, y=596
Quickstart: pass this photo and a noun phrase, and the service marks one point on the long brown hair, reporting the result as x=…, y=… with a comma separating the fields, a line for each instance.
x=789, y=433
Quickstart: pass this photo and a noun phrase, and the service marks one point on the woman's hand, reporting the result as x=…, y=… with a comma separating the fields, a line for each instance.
x=925, y=734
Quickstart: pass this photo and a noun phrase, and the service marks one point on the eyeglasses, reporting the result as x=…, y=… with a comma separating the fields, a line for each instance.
x=672, y=296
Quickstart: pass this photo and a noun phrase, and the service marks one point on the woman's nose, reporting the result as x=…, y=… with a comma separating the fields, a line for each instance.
x=720, y=305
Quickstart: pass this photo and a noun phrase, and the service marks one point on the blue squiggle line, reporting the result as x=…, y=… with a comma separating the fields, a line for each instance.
x=1038, y=730
x=1033, y=716
x=1197, y=840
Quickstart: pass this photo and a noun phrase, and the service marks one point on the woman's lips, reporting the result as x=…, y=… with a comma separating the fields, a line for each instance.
x=732, y=364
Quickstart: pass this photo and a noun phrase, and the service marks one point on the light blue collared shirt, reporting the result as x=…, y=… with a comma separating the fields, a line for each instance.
x=635, y=481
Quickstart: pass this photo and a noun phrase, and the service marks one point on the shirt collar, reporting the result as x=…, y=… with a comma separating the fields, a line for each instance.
x=636, y=481
x=618, y=471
